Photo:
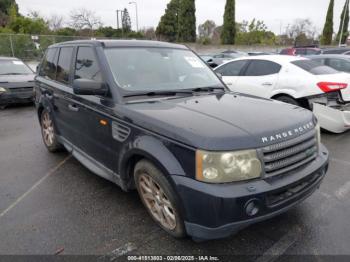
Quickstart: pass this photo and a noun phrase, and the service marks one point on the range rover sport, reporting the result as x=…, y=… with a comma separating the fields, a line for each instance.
x=154, y=117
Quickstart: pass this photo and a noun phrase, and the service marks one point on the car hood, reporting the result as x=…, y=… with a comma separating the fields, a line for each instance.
x=16, y=80
x=220, y=122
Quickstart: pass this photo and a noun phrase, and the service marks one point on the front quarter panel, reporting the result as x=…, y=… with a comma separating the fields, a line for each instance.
x=171, y=157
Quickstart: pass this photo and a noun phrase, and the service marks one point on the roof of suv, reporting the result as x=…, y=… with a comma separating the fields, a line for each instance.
x=122, y=43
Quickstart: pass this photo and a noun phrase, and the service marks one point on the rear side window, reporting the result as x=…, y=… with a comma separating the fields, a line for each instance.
x=49, y=64
x=63, y=65
x=232, y=69
x=86, y=65
x=339, y=64
x=262, y=68
x=314, y=67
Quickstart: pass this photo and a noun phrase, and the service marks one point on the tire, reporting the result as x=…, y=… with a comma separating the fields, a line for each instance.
x=159, y=198
x=48, y=132
x=288, y=100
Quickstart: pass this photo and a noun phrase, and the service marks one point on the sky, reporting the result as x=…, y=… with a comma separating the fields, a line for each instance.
x=277, y=14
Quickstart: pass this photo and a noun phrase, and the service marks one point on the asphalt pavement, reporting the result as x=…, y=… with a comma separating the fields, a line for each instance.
x=51, y=204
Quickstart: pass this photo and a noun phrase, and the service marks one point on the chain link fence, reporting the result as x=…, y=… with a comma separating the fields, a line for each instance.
x=30, y=47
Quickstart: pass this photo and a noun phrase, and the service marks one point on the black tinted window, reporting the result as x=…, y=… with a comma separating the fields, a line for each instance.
x=262, y=68
x=314, y=67
x=231, y=69
x=300, y=51
x=63, y=66
x=49, y=64
x=334, y=51
x=86, y=65
x=313, y=52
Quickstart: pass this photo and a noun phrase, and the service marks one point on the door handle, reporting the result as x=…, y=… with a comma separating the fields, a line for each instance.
x=267, y=84
x=73, y=108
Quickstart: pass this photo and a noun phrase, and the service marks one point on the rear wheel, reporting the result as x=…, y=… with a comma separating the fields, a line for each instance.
x=159, y=198
x=288, y=100
x=48, y=132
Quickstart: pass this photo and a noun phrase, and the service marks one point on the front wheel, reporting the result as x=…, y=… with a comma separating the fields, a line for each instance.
x=159, y=198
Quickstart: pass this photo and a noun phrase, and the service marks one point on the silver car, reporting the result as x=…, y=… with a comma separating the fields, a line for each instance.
x=16, y=82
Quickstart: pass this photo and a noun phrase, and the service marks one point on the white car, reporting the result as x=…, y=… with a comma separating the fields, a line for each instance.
x=294, y=80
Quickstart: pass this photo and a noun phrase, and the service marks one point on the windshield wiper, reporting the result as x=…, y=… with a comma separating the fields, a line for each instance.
x=160, y=93
x=208, y=89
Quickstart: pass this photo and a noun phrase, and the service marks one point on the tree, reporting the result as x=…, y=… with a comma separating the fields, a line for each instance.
x=344, y=24
x=327, y=34
x=167, y=28
x=26, y=25
x=187, y=21
x=56, y=22
x=254, y=32
x=206, y=29
x=84, y=19
x=303, y=32
x=228, y=33
x=5, y=6
x=126, y=21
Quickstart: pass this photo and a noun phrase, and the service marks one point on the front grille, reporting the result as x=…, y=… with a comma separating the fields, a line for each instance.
x=286, y=156
x=277, y=198
x=17, y=90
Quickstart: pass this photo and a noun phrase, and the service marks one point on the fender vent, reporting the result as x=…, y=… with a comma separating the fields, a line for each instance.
x=120, y=132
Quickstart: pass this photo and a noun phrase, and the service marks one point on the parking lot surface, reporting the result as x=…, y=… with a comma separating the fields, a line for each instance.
x=50, y=203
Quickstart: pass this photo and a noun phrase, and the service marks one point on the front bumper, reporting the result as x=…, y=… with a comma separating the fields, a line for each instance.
x=336, y=120
x=24, y=95
x=219, y=210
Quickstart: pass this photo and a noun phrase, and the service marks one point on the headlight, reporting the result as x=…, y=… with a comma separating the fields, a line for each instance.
x=225, y=167
x=2, y=90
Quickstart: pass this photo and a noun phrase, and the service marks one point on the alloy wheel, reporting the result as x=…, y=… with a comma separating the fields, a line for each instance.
x=47, y=129
x=157, y=202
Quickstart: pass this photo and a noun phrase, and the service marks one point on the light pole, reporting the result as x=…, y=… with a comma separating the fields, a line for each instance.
x=137, y=15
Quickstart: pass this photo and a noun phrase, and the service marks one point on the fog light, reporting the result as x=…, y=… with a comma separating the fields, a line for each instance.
x=252, y=207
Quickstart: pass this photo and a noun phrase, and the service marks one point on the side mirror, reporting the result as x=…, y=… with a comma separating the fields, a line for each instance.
x=89, y=87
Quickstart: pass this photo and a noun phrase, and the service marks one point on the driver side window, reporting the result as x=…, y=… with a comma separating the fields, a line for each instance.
x=86, y=65
x=232, y=69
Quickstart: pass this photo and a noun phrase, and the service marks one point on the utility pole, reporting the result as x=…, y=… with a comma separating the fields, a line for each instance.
x=343, y=24
x=117, y=11
x=137, y=15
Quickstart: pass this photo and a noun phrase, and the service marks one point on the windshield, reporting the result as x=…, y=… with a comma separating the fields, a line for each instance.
x=14, y=67
x=314, y=67
x=159, y=69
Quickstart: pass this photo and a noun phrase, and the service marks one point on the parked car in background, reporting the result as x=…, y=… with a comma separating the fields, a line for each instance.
x=294, y=80
x=301, y=51
x=221, y=58
x=336, y=51
x=206, y=162
x=337, y=62
x=208, y=59
x=260, y=53
x=16, y=82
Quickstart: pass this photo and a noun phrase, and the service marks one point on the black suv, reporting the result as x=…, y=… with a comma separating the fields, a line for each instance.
x=153, y=116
